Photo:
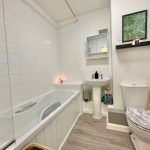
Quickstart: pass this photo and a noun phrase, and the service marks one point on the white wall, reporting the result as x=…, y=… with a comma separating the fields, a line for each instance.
x=74, y=65
x=73, y=45
x=32, y=50
x=133, y=64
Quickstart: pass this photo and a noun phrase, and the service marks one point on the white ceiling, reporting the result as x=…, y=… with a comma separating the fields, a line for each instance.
x=59, y=11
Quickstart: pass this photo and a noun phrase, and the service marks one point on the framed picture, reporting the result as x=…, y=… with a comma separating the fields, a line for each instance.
x=134, y=26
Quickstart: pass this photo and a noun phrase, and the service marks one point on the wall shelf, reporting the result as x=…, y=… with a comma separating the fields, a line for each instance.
x=144, y=43
x=96, y=57
x=97, y=45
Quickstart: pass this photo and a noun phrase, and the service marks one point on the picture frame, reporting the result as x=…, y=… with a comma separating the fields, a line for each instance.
x=134, y=26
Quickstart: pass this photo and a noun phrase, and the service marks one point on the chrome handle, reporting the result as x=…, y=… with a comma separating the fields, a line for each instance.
x=25, y=108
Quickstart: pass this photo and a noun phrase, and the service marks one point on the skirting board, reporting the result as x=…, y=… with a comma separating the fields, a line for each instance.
x=104, y=114
x=69, y=132
x=89, y=111
x=118, y=127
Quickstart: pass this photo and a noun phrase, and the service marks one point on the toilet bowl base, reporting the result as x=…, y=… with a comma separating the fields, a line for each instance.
x=139, y=144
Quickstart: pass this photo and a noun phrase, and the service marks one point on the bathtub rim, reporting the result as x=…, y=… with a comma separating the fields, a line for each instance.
x=37, y=99
x=29, y=135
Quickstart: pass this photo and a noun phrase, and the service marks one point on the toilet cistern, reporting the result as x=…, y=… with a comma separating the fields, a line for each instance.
x=134, y=94
x=135, y=98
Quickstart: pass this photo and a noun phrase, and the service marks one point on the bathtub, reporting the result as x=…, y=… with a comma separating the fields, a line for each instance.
x=36, y=118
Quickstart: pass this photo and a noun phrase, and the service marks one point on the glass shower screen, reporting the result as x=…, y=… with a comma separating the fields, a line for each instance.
x=6, y=121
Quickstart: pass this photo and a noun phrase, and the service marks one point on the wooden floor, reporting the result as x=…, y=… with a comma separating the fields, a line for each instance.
x=90, y=134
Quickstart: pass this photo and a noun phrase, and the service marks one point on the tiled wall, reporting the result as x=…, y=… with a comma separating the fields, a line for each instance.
x=32, y=50
x=73, y=64
x=73, y=45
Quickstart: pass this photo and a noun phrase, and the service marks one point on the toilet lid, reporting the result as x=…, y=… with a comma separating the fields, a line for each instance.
x=140, y=117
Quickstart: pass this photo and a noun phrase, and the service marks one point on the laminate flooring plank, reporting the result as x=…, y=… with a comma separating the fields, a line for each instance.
x=91, y=134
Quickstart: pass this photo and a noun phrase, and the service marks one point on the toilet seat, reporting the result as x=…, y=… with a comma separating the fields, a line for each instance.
x=140, y=136
x=139, y=127
x=139, y=117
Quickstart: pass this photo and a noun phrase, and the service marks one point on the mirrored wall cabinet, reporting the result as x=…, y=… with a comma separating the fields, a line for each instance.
x=97, y=46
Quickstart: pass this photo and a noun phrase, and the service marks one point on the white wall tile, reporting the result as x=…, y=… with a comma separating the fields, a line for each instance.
x=5, y=99
x=3, y=58
x=73, y=46
x=32, y=51
x=17, y=94
x=4, y=81
x=3, y=69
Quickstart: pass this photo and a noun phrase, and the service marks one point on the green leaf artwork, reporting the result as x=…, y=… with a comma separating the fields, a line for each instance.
x=134, y=26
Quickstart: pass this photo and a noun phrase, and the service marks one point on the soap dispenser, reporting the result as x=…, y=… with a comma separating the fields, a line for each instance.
x=96, y=75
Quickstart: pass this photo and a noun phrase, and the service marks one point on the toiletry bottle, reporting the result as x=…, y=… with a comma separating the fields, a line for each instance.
x=96, y=75
x=101, y=76
x=93, y=76
x=104, y=98
x=108, y=95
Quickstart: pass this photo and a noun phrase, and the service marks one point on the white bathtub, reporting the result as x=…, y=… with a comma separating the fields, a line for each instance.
x=28, y=122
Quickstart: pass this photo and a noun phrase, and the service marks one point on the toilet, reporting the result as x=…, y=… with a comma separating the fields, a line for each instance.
x=135, y=98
